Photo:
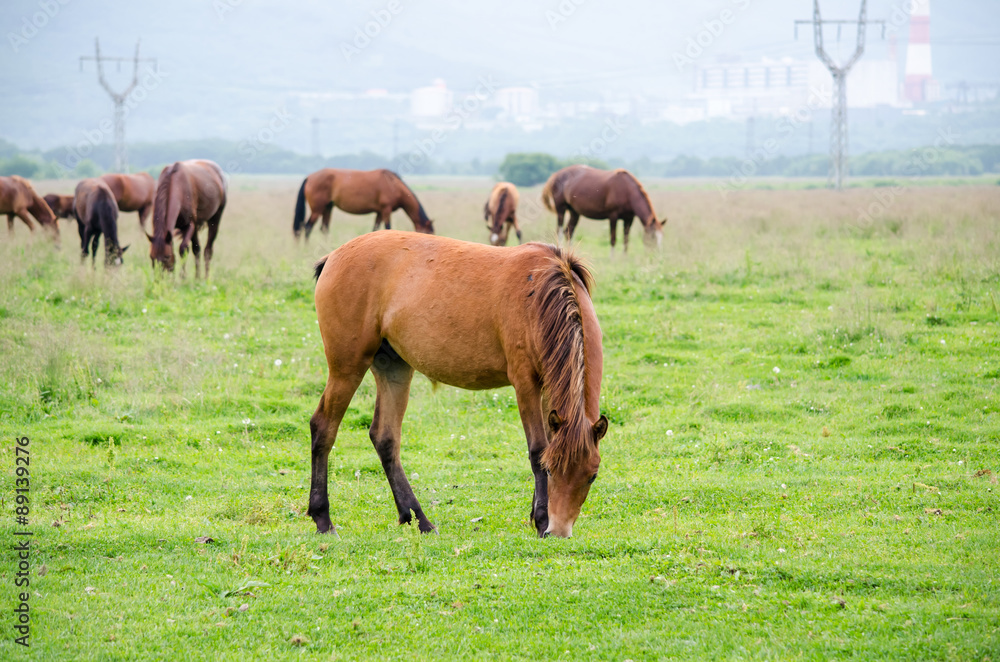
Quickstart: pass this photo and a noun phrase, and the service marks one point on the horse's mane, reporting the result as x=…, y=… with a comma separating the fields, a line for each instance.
x=561, y=337
x=421, y=213
x=161, y=231
x=499, y=212
x=642, y=192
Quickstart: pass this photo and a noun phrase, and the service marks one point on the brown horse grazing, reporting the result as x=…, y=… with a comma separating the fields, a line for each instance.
x=96, y=213
x=600, y=194
x=475, y=317
x=61, y=205
x=133, y=193
x=189, y=194
x=500, y=213
x=18, y=198
x=357, y=192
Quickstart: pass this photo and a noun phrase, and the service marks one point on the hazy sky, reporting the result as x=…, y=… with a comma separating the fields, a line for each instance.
x=228, y=65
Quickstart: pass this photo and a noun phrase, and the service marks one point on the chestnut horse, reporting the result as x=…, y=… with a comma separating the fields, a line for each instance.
x=501, y=213
x=357, y=192
x=133, y=193
x=600, y=194
x=61, y=205
x=97, y=213
x=18, y=198
x=189, y=195
x=475, y=317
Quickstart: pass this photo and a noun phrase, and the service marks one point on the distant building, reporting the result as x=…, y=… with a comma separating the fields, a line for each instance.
x=787, y=86
x=919, y=84
x=517, y=103
x=431, y=102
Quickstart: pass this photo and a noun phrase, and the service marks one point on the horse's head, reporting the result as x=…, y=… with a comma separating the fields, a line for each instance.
x=569, y=484
x=113, y=258
x=498, y=231
x=654, y=233
x=162, y=251
x=425, y=228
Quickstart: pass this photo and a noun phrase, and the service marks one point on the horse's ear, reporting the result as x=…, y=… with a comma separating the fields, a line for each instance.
x=600, y=428
x=148, y=236
x=555, y=422
x=125, y=247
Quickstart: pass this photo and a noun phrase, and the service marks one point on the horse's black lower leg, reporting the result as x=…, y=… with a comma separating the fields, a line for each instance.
x=323, y=426
x=540, y=500
x=392, y=381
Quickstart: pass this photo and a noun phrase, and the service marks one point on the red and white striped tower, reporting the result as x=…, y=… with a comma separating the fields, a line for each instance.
x=917, y=86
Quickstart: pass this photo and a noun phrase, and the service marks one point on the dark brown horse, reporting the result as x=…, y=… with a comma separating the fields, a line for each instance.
x=501, y=213
x=61, y=205
x=599, y=194
x=357, y=192
x=475, y=317
x=18, y=198
x=189, y=195
x=133, y=193
x=96, y=214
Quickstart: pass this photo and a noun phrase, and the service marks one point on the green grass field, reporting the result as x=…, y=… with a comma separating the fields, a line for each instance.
x=802, y=462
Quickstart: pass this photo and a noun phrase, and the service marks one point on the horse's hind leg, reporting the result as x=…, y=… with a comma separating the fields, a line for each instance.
x=196, y=251
x=10, y=224
x=213, y=232
x=560, y=213
x=574, y=218
x=340, y=388
x=327, y=212
x=392, y=380
x=144, y=214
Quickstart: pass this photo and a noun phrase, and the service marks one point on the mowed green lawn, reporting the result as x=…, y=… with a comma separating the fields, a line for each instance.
x=802, y=462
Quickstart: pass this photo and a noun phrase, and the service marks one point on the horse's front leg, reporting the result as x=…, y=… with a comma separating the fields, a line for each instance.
x=626, y=226
x=613, y=222
x=574, y=218
x=529, y=405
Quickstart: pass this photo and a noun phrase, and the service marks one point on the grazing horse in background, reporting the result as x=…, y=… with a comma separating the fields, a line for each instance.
x=18, y=198
x=357, y=192
x=475, y=317
x=61, y=205
x=96, y=213
x=133, y=193
x=500, y=213
x=600, y=194
x=189, y=195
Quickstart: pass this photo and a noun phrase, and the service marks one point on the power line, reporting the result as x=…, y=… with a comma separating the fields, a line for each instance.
x=119, y=98
x=838, y=127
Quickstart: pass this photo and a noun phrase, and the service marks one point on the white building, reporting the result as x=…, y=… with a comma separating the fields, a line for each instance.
x=431, y=102
x=787, y=86
x=517, y=103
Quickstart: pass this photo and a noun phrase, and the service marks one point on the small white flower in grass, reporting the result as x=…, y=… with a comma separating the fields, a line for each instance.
x=99, y=381
x=781, y=550
x=462, y=437
x=943, y=342
x=776, y=370
x=236, y=365
x=961, y=462
x=225, y=337
x=416, y=476
x=144, y=311
x=277, y=363
x=357, y=474
x=218, y=432
x=670, y=433
x=188, y=497
x=784, y=487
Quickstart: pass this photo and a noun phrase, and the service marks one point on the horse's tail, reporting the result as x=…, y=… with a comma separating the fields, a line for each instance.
x=300, y=210
x=547, y=198
x=318, y=267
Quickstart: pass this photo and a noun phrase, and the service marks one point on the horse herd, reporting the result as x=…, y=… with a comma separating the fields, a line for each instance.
x=192, y=194
x=461, y=313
